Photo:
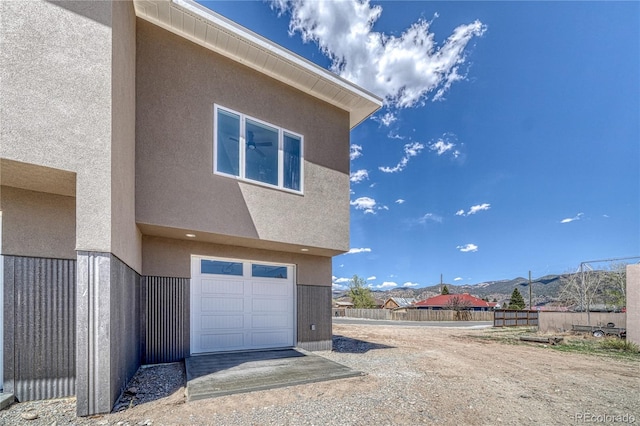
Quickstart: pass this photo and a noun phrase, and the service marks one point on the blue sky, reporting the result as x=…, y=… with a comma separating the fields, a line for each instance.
x=509, y=140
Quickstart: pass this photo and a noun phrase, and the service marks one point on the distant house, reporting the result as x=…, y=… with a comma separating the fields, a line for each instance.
x=398, y=302
x=343, y=304
x=347, y=303
x=447, y=301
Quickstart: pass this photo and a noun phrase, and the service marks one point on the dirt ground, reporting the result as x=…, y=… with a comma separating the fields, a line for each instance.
x=418, y=375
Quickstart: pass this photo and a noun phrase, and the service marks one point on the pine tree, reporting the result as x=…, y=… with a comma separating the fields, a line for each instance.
x=445, y=290
x=517, y=301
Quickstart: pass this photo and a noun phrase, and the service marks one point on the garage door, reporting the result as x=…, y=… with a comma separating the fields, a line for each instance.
x=239, y=305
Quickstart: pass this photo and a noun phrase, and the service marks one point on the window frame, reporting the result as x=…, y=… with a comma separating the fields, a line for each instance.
x=242, y=151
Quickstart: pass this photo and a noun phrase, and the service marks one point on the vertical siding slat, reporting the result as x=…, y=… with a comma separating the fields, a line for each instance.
x=164, y=318
x=41, y=327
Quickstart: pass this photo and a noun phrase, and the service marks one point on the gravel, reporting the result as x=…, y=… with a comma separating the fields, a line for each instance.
x=413, y=376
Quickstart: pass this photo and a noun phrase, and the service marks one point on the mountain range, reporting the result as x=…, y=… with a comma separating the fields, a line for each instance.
x=543, y=290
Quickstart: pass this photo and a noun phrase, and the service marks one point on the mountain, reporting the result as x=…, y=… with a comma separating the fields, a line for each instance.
x=543, y=290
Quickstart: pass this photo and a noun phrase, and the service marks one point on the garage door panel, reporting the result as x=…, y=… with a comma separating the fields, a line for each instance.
x=269, y=305
x=222, y=322
x=270, y=321
x=259, y=288
x=227, y=304
x=222, y=287
x=271, y=339
x=221, y=342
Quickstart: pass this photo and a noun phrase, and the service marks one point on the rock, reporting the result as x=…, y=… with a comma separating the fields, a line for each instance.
x=29, y=415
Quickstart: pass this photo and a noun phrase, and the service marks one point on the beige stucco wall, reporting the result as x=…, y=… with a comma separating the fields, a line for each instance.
x=178, y=83
x=62, y=108
x=37, y=224
x=172, y=258
x=126, y=239
x=633, y=303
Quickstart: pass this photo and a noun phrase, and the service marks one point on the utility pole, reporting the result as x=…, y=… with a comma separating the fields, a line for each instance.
x=530, y=306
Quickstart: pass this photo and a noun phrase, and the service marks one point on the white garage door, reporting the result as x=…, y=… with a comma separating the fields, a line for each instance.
x=239, y=304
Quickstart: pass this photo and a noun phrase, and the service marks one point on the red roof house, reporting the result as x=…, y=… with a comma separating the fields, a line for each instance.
x=448, y=301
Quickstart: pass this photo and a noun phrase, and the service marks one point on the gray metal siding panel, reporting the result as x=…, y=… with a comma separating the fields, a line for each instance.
x=108, y=330
x=126, y=353
x=166, y=310
x=314, y=308
x=39, y=327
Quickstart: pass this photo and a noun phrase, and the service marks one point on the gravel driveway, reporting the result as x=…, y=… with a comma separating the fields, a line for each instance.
x=415, y=375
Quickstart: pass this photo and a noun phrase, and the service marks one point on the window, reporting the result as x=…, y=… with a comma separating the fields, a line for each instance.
x=220, y=268
x=253, y=150
x=268, y=271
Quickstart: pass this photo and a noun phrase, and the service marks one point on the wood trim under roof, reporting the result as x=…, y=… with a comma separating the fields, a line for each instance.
x=200, y=25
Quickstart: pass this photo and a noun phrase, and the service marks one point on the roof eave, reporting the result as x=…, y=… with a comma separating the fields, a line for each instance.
x=200, y=25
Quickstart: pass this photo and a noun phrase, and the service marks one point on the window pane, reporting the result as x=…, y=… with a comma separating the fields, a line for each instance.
x=220, y=268
x=292, y=159
x=228, y=137
x=268, y=271
x=262, y=152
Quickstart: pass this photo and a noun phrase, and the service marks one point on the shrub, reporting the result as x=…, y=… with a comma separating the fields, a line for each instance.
x=619, y=344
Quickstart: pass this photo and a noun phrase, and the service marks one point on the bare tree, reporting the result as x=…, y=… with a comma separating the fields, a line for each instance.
x=461, y=306
x=615, y=291
x=583, y=288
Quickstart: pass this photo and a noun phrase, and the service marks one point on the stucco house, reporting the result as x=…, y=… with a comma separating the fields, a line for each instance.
x=171, y=184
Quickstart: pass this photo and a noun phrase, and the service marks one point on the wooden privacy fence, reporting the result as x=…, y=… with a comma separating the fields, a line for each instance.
x=411, y=314
x=514, y=318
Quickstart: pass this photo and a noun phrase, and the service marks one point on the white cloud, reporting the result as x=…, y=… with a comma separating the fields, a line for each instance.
x=430, y=217
x=373, y=185
x=410, y=150
x=571, y=219
x=404, y=69
x=359, y=250
x=400, y=201
x=468, y=248
x=392, y=135
x=364, y=203
x=355, y=151
x=478, y=208
x=335, y=286
x=371, y=278
x=358, y=176
x=458, y=279
x=386, y=285
x=474, y=209
x=341, y=280
x=410, y=284
x=368, y=205
x=387, y=119
x=440, y=147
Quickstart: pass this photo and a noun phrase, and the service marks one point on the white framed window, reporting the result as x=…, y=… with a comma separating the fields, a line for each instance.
x=253, y=150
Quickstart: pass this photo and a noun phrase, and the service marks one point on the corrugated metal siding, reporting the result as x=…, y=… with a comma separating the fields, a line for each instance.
x=314, y=308
x=39, y=317
x=165, y=319
x=126, y=347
